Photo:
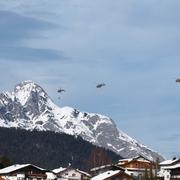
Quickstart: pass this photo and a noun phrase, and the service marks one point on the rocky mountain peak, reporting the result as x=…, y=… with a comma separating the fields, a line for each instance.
x=28, y=90
x=29, y=107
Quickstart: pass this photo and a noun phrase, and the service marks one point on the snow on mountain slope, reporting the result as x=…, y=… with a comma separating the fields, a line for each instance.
x=29, y=107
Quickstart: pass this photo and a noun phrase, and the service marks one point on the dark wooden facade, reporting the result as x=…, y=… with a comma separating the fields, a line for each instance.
x=30, y=171
x=139, y=164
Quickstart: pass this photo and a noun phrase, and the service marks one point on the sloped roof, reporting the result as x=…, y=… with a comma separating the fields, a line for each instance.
x=106, y=175
x=61, y=169
x=110, y=166
x=137, y=158
x=83, y=172
x=172, y=167
x=101, y=167
x=58, y=170
x=169, y=162
x=16, y=167
x=122, y=160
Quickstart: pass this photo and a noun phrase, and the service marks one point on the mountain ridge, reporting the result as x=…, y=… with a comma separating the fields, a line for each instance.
x=29, y=107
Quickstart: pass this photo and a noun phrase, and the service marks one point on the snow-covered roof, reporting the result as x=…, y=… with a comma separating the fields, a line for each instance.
x=172, y=167
x=15, y=167
x=122, y=160
x=168, y=162
x=138, y=158
x=61, y=169
x=82, y=172
x=58, y=170
x=135, y=169
x=101, y=167
x=106, y=175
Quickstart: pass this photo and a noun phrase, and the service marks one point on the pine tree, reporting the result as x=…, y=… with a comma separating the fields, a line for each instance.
x=5, y=161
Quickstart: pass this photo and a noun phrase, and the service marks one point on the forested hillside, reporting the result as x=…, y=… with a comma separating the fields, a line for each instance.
x=51, y=150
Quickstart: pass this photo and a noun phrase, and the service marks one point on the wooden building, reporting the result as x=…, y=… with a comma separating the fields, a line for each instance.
x=175, y=172
x=169, y=170
x=137, y=166
x=70, y=173
x=23, y=172
x=170, y=162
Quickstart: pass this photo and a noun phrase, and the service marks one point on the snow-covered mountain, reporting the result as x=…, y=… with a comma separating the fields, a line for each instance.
x=29, y=107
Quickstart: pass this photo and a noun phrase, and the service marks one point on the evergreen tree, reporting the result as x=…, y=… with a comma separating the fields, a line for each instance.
x=49, y=150
x=5, y=161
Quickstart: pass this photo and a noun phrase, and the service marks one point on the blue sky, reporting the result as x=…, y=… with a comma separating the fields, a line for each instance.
x=132, y=46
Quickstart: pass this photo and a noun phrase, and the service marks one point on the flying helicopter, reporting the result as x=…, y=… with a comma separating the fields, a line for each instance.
x=61, y=90
x=100, y=85
x=178, y=80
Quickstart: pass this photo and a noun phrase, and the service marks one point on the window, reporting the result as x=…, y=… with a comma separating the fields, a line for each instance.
x=115, y=178
x=20, y=178
x=73, y=174
x=123, y=178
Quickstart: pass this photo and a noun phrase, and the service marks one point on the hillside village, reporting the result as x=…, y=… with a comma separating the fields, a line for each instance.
x=138, y=168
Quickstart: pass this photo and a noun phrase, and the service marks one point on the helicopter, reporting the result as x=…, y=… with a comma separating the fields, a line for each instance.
x=61, y=90
x=100, y=85
x=178, y=80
